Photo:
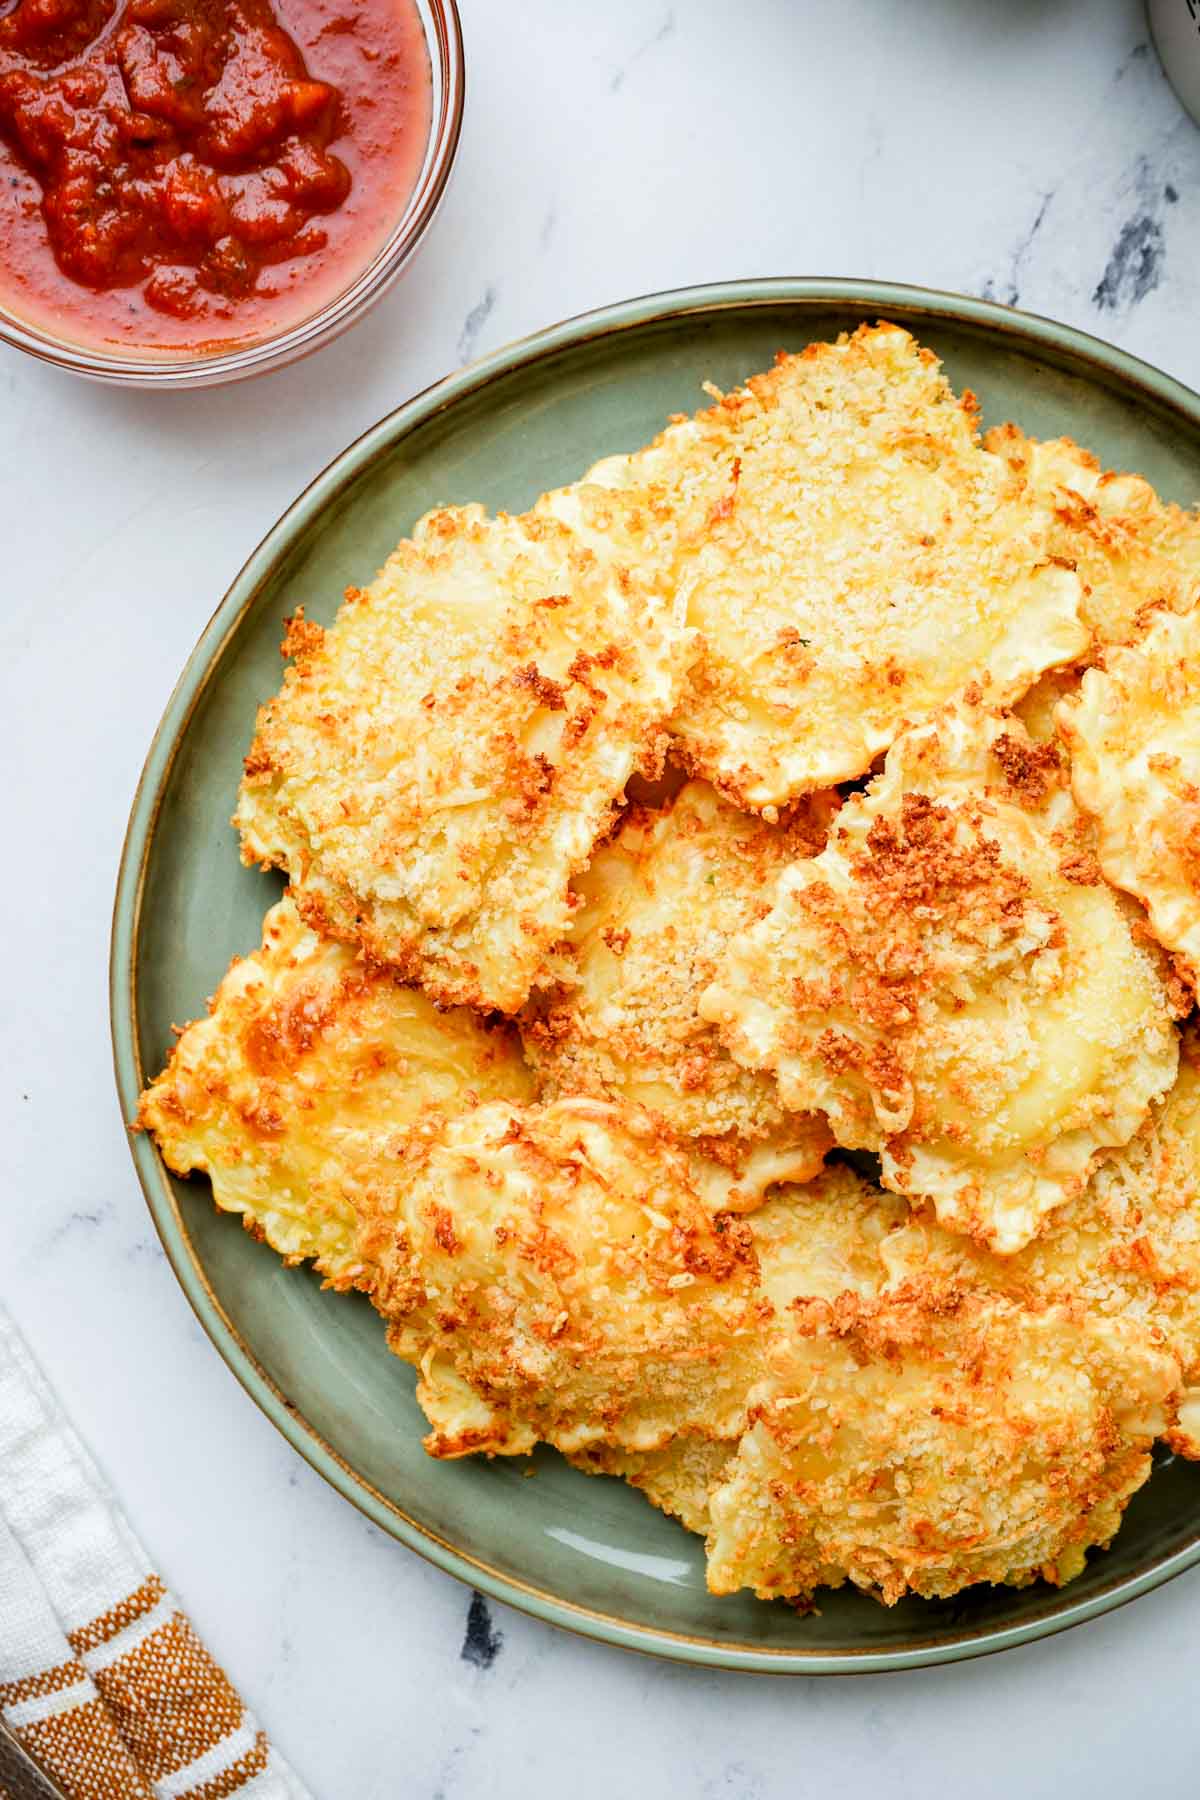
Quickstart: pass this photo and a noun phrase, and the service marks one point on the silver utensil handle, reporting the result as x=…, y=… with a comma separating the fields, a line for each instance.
x=21, y=1778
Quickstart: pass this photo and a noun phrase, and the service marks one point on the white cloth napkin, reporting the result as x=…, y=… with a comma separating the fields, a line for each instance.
x=102, y=1678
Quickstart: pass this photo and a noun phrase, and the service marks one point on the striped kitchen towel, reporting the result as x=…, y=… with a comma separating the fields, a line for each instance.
x=102, y=1678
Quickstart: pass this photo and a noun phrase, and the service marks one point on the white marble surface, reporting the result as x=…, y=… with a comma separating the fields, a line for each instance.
x=1029, y=149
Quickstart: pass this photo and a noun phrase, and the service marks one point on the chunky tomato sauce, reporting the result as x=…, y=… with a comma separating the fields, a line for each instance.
x=178, y=173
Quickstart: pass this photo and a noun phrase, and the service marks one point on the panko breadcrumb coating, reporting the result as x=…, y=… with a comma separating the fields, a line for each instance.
x=920, y=1443
x=1134, y=735
x=813, y=1242
x=953, y=984
x=1132, y=553
x=308, y=1069
x=442, y=759
x=657, y=907
x=1129, y=549
x=956, y=1416
x=1127, y=1248
x=555, y=1276
x=906, y=1435
x=849, y=555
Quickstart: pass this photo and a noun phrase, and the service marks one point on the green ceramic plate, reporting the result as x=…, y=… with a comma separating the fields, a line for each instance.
x=575, y=1550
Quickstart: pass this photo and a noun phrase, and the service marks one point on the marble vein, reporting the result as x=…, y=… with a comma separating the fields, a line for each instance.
x=665, y=30
x=1009, y=290
x=483, y=1640
x=474, y=323
x=1135, y=265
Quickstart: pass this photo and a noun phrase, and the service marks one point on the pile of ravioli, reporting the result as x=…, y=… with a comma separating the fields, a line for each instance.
x=730, y=1007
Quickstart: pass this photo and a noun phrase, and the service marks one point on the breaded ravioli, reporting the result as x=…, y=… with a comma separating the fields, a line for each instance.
x=1134, y=734
x=656, y=909
x=952, y=983
x=850, y=556
x=555, y=1276
x=292, y=1094
x=921, y=1442
x=442, y=759
x=919, y=1428
x=1132, y=552
x=1127, y=1248
x=1129, y=549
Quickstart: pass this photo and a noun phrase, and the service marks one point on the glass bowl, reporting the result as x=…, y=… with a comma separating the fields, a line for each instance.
x=443, y=41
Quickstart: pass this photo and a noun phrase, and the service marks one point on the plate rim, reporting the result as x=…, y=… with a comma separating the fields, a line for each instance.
x=1116, y=369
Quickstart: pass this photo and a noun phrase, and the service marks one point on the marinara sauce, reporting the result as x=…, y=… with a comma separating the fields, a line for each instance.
x=182, y=173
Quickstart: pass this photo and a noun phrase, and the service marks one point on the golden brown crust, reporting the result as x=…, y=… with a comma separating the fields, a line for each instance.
x=655, y=911
x=555, y=1275
x=924, y=1421
x=1128, y=1248
x=677, y=1478
x=442, y=759
x=308, y=1070
x=1129, y=550
x=1134, y=732
x=916, y=1443
x=942, y=984
x=849, y=555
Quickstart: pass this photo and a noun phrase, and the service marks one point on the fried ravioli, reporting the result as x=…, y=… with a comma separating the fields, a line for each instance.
x=657, y=907
x=953, y=985
x=442, y=759
x=912, y=1420
x=1130, y=1247
x=1129, y=549
x=292, y=1094
x=1127, y=1248
x=849, y=555
x=1134, y=734
x=555, y=1276
x=919, y=1444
